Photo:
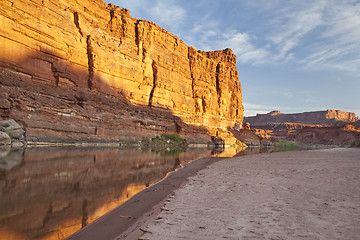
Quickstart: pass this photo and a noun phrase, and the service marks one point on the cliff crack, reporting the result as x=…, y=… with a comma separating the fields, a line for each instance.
x=218, y=89
x=191, y=67
x=112, y=15
x=84, y=220
x=90, y=56
x=191, y=73
x=123, y=28
x=155, y=70
x=55, y=73
x=77, y=23
x=137, y=35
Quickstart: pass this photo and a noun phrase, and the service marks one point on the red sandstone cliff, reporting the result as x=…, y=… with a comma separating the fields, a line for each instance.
x=85, y=70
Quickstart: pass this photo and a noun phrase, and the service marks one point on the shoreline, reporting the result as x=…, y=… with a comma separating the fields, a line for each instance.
x=125, y=221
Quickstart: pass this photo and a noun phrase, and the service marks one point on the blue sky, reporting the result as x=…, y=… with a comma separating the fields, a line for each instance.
x=292, y=55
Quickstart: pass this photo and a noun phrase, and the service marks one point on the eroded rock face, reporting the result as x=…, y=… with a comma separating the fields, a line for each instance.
x=57, y=58
x=327, y=135
x=318, y=117
x=331, y=127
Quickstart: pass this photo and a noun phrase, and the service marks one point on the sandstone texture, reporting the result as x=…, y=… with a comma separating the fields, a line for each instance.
x=86, y=70
x=4, y=139
x=331, y=127
x=319, y=117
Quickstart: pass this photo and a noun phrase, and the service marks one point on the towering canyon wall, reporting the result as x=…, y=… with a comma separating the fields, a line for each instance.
x=318, y=117
x=86, y=70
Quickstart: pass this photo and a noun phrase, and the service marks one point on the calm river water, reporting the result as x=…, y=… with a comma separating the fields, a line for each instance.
x=50, y=193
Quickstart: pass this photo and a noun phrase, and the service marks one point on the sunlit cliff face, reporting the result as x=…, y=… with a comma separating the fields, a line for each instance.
x=103, y=49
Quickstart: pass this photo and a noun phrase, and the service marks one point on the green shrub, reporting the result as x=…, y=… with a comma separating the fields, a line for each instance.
x=172, y=137
x=356, y=143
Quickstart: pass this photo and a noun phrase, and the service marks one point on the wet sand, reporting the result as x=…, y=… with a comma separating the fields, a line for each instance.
x=288, y=195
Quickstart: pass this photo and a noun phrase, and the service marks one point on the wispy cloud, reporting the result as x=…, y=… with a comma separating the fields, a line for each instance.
x=313, y=35
x=292, y=24
x=338, y=46
x=202, y=33
x=311, y=99
x=243, y=47
x=168, y=13
x=210, y=36
x=251, y=109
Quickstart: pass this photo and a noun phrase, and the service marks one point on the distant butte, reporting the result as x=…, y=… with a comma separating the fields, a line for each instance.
x=330, y=127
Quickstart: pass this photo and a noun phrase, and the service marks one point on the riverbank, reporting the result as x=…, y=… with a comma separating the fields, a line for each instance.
x=126, y=221
x=287, y=195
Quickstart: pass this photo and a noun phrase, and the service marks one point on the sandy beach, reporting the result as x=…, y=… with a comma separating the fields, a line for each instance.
x=287, y=195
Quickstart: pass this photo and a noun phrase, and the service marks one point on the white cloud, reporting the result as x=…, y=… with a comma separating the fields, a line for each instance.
x=311, y=99
x=316, y=35
x=291, y=25
x=241, y=44
x=203, y=33
x=338, y=46
x=168, y=13
x=251, y=109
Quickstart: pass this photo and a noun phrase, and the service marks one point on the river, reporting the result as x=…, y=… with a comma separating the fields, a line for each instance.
x=51, y=192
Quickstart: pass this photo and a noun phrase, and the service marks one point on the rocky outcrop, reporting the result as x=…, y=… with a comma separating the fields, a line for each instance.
x=331, y=127
x=14, y=131
x=319, y=117
x=4, y=139
x=327, y=135
x=85, y=70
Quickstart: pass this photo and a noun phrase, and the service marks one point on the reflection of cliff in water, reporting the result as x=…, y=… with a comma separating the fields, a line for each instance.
x=52, y=192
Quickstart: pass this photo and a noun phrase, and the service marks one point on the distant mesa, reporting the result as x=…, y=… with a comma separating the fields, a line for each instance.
x=330, y=127
x=318, y=117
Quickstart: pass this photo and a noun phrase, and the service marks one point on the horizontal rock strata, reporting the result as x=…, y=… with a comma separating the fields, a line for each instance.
x=318, y=117
x=73, y=70
x=330, y=127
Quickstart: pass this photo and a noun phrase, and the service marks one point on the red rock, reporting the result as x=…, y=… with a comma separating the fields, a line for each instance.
x=319, y=117
x=331, y=127
x=86, y=64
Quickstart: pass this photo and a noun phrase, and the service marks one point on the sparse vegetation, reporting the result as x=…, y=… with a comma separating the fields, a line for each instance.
x=165, y=143
x=356, y=143
x=172, y=137
x=283, y=143
x=285, y=146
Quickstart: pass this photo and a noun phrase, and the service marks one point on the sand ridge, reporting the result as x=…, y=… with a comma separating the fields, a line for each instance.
x=289, y=195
